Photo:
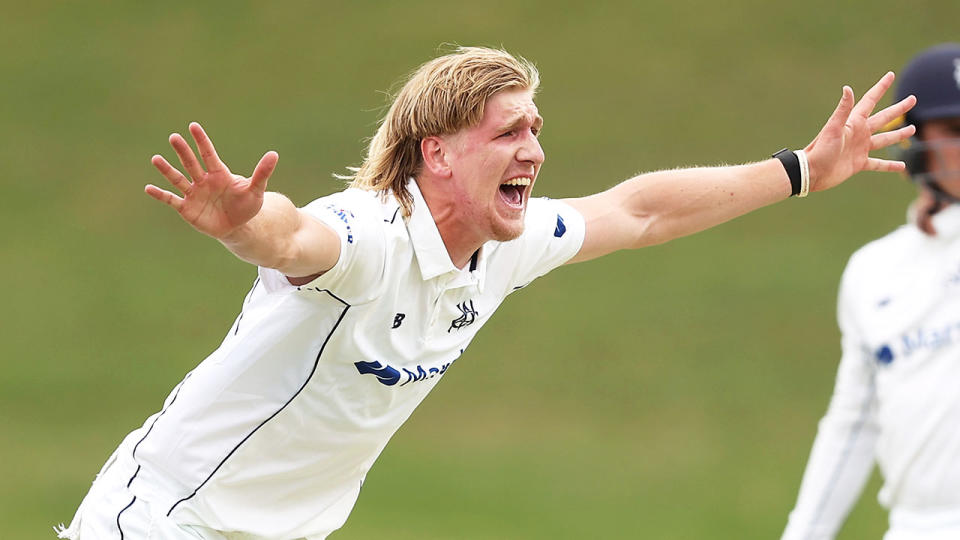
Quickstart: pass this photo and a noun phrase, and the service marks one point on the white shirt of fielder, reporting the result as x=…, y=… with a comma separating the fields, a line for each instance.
x=275, y=431
x=897, y=396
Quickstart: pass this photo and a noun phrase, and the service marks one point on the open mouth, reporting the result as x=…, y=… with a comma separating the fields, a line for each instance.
x=512, y=190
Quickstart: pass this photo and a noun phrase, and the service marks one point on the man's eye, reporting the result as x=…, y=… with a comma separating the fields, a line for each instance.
x=508, y=133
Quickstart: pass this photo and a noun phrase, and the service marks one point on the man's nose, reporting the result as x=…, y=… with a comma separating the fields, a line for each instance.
x=531, y=151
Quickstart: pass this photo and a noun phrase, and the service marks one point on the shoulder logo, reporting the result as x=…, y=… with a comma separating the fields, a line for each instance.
x=345, y=216
x=561, y=228
x=884, y=355
x=467, y=315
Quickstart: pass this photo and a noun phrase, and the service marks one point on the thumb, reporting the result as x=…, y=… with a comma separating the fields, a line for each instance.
x=263, y=170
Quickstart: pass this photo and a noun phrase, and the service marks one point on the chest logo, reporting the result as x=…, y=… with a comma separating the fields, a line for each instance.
x=884, y=355
x=954, y=278
x=467, y=315
x=919, y=343
x=388, y=375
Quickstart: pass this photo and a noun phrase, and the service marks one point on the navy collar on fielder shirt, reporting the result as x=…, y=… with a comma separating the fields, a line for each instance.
x=431, y=252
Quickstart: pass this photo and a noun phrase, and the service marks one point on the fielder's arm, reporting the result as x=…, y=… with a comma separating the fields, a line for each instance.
x=261, y=228
x=656, y=207
x=843, y=451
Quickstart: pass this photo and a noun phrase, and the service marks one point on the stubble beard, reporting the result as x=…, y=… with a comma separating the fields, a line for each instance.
x=505, y=232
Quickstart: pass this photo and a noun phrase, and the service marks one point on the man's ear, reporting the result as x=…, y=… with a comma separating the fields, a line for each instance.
x=434, y=151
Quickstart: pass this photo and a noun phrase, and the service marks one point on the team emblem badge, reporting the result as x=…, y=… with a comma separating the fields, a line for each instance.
x=467, y=315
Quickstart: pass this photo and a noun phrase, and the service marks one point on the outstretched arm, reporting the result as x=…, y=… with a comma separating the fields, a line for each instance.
x=656, y=207
x=262, y=228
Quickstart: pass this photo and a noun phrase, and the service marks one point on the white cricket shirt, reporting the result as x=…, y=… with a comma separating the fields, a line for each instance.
x=273, y=433
x=897, y=396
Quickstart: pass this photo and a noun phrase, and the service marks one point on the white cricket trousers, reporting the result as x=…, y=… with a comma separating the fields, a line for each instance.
x=111, y=512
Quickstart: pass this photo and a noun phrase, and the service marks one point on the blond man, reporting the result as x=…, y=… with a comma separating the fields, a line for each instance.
x=366, y=297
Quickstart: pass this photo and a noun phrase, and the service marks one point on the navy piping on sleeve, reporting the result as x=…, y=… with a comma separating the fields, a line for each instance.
x=295, y=394
x=237, y=329
x=256, y=282
x=246, y=300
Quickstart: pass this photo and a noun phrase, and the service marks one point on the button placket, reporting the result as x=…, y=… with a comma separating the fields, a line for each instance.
x=440, y=291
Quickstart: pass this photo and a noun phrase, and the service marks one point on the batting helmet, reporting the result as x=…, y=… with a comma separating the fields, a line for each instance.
x=933, y=76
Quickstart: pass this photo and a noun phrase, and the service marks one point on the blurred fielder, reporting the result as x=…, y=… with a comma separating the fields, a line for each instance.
x=366, y=297
x=897, y=394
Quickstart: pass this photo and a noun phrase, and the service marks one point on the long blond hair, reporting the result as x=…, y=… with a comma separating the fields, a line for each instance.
x=441, y=97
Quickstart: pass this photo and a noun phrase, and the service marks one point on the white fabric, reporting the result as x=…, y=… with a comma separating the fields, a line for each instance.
x=926, y=524
x=108, y=507
x=275, y=431
x=896, y=401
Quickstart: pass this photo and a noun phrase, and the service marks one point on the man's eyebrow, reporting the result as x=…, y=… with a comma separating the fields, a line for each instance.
x=516, y=121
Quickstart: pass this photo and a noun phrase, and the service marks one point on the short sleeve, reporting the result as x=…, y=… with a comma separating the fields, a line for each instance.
x=553, y=234
x=356, y=218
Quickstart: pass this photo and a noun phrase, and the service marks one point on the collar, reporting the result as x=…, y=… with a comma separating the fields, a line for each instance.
x=947, y=222
x=431, y=252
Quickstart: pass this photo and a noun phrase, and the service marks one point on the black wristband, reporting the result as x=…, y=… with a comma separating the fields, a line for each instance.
x=792, y=164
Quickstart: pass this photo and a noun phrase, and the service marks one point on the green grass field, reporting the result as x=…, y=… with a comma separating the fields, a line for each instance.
x=671, y=392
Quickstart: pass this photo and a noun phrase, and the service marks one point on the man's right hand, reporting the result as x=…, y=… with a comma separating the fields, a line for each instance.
x=215, y=201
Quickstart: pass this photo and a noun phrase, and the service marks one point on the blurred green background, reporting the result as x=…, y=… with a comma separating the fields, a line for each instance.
x=671, y=392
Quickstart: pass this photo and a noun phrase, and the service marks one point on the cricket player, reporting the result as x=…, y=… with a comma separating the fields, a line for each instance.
x=365, y=298
x=897, y=396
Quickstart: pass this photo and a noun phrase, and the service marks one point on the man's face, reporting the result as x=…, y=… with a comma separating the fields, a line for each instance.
x=495, y=164
x=943, y=153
